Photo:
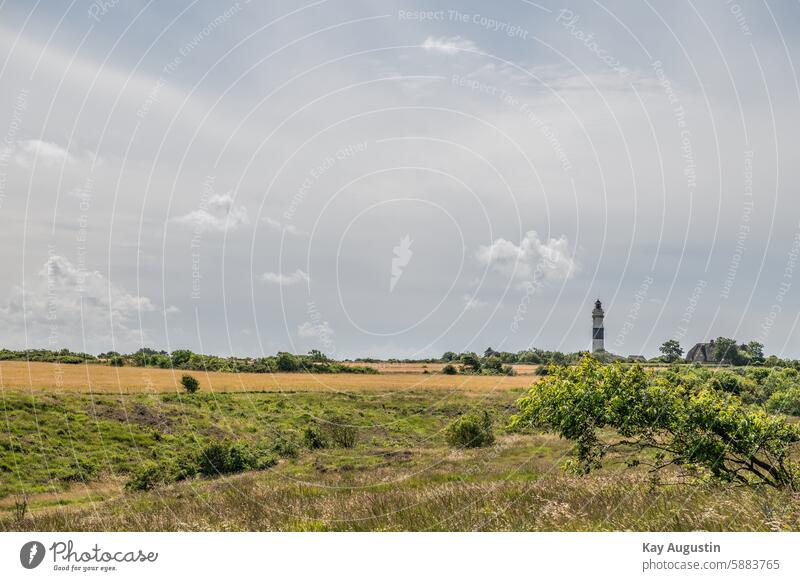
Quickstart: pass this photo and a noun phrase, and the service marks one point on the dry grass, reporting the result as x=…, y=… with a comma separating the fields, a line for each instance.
x=56, y=378
x=429, y=492
x=521, y=369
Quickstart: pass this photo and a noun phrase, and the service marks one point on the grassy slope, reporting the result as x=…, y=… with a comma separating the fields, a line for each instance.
x=401, y=476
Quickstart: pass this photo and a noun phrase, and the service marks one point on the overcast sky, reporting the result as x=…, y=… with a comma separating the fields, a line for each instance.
x=398, y=179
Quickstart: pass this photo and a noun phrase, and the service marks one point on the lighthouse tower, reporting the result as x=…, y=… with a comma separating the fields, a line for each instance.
x=597, y=327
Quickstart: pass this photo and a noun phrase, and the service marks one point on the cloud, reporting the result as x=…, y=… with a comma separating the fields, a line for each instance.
x=296, y=277
x=172, y=310
x=65, y=305
x=551, y=258
x=448, y=44
x=471, y=303
x=281, y=227
x=310, y=330
x=44, y=152
x=218, y=213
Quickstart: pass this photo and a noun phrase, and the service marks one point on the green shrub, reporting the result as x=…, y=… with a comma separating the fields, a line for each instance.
x=147, y=476
x=314, y=439
x=727, y=381
x=286, y=447
x=471, y=430
x=699, y=431
x=450, y=369
x=339, y=433
x=785, y=402
x=190, y=384
x=227, y=458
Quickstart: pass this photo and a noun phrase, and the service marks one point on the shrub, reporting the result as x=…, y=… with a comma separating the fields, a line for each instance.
x=450, y=369
x=727, y=381
x=471, y=430
x=229, y=458
x=147, y=476
x=190, y=384
x=339, y=433
x=314, y=439
x=693, y=429
x=785, y=402
x=286, y=447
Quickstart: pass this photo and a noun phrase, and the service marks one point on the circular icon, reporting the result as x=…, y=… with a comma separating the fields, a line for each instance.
x=31, y=554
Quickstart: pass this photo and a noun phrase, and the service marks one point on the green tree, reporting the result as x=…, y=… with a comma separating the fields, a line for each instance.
x=287, y=362
x=700, y=430
x=180, y=357
x=727, y=351
x=755, y=352
x=470, y=362
x=671, y=350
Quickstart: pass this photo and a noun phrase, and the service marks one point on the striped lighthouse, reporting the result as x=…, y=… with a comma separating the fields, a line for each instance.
x=597, y=327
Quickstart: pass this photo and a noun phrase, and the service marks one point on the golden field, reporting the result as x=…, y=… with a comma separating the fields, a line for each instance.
x=54, y=377
x=521, y=369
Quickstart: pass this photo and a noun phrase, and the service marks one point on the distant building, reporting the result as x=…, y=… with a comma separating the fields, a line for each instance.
x=598, y=343
x=701, y=353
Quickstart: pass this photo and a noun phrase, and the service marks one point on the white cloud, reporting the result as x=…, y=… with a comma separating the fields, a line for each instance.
x=448, y=44
x=310, y=330
x=552, y=258
x=218, y=213
x=280, y=226
x=44, y=152
x=65, y=304
x=471, y=303
x=285, y=279
x=172, y=310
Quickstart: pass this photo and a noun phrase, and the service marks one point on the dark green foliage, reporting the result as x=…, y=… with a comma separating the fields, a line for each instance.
x=286, y=447
x=671, y=350
x=288, y=363
x=313, y=438
x=785, y=402
x=449, y=369
x=727, y=351
x=697, y=429
x=471, y=363
x=472, y=430
x=339, y=433
x=148, y=476
x=224, y=458
x=190, y=384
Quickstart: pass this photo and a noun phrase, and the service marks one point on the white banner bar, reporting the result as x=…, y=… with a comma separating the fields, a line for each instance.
x=356, y=556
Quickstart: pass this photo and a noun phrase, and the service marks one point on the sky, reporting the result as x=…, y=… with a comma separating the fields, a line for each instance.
x=398, y=179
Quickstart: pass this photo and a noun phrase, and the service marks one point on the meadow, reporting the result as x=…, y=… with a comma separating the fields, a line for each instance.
x=67, y=454
x=91, y=378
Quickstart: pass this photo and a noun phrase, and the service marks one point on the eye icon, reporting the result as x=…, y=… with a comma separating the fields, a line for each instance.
x=31, y=554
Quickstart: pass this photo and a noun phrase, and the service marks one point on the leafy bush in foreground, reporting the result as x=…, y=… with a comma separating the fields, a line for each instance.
x=471, y=430
x=697, y=430
x=785, y=402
